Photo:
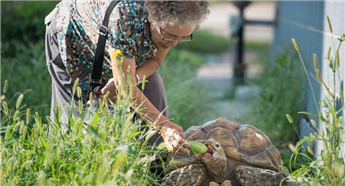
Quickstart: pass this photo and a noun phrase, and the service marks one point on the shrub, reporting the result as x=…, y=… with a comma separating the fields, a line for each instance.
x=24, y=20
x=27, y=72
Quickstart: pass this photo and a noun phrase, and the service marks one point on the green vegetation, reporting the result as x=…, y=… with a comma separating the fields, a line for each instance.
x=328, y=166
x=100, y=147
x=22, y=52
x=189, y=101
x=206, y=42
x=282, y=92
x=27, y=72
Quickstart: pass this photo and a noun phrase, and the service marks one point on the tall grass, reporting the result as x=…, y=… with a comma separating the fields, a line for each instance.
x=101, y=146
x=328, y=167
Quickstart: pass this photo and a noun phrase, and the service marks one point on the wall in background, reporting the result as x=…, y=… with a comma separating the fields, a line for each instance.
x=306, y=22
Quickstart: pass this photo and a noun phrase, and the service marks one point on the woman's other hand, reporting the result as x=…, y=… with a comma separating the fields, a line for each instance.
x=109, y=87
x=174, y=137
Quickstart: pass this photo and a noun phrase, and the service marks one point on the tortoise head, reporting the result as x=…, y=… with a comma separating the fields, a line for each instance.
x=215, y=153
x=215, y=160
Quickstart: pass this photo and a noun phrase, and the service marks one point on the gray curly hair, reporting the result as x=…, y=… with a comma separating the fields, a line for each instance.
x=163, y=12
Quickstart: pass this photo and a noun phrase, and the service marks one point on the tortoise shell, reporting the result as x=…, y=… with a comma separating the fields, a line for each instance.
x=244, y=143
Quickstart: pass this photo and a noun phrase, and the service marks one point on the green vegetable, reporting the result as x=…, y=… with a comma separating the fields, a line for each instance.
x=197, y=147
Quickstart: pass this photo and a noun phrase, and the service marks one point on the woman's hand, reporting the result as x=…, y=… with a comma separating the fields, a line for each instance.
x=174, y=137
x=109, y=87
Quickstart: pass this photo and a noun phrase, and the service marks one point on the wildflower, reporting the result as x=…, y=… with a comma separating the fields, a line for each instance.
x=318, y=75
x=329, y=24
x=19, y=100
x=295, y=44
x=329, y=53
x=143, y=83
x=289, y=118
x=5, y=86
x=315, y=62
x=292, y=147
x=27, y=116
x=75, y=85
x=117, y=52
x=79, y=93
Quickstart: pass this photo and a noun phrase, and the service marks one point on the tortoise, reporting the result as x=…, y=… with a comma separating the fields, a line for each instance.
x=237, y=155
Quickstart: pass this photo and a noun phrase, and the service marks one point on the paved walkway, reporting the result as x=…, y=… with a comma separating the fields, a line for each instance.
x=217, y=73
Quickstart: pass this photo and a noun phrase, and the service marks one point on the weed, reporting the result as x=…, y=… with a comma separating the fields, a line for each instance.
x=329, y=165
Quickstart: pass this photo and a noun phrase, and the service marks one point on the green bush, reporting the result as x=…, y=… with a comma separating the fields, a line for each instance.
x=22, y=51
x=206, y=42
x=27, y=72
x=189, y=101
x=24, y=20
x=282, y=92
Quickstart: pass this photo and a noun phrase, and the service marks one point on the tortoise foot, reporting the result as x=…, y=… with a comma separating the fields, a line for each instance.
x=212, y=183
x=253, y=176
x=192, y=175
x=226, y=183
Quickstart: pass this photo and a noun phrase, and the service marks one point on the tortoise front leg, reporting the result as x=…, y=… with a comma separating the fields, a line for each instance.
x=193, y=175
x=254, y=176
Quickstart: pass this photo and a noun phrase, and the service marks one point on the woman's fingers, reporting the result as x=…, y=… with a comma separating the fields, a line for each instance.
x=178, y=144
x=174, y=137
x=109, y=87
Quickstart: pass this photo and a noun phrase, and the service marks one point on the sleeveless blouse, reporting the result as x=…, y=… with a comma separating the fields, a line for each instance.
x=78, y=25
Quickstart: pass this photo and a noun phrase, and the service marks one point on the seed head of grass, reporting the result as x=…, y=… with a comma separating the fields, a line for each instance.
x=295, y=44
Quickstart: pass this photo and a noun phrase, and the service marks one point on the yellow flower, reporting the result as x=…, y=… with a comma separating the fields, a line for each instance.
x=117, y=52
x=295, y=44
x=143, y=83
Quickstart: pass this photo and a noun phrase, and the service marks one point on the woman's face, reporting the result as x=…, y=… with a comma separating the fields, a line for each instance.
x=171, y=32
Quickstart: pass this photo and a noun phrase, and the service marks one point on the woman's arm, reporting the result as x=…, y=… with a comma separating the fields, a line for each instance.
x=152, y=64
x=172, y=133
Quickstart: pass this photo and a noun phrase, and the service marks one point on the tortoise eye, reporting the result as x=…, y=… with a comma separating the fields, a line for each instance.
x=217, y=145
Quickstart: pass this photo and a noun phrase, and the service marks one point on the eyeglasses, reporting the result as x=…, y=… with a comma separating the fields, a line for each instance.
x=168, y=37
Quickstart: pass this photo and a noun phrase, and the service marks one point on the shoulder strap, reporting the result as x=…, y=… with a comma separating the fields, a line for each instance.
x=96, y=75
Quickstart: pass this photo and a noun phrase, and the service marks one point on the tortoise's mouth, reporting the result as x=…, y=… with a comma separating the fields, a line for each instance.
x=210, y=151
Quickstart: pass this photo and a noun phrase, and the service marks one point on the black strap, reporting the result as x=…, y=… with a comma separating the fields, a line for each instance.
x=96, y=75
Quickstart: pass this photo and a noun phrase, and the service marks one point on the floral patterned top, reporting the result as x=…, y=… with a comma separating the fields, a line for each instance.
x=77, y=27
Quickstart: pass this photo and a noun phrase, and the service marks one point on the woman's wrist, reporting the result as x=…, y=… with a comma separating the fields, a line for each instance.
x=160, y=127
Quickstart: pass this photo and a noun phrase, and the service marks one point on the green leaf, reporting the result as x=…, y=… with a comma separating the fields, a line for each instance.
x=93, y=131
x=162, y=146
x=328, y=90
x=149, y=134
x=305, y=139
x=312, y=114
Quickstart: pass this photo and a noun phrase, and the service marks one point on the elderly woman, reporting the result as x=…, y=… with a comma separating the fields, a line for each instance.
x=143, y=30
